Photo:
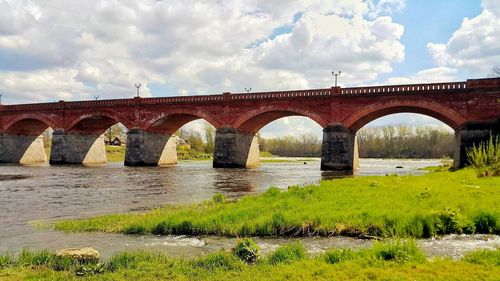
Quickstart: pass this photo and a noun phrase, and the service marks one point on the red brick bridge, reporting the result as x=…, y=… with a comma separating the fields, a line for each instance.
x=471, y=108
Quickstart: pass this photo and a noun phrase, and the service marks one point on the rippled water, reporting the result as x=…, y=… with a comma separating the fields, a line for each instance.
x=47, y=193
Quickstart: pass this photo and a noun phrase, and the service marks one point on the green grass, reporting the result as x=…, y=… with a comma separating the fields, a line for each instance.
x=385, y=261
x=286, y=160
x=436, y=203
x=115, y=153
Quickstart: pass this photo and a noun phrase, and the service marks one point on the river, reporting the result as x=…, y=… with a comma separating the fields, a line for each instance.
x=31, y=194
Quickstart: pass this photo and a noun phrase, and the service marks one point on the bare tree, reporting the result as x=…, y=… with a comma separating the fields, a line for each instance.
x=496, y=71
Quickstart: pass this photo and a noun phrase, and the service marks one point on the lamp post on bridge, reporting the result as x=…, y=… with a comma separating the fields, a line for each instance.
x=248, y=90
x=336, y=75
x=1, y=98
x=138, y=86
x=96, y=97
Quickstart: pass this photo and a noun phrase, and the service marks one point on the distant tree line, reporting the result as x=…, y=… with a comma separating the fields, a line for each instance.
x=307, y=145
x=374, y=142
x=405, y=142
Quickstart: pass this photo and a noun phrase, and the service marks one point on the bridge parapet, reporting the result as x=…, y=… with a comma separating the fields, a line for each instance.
x=406, y=88
x=230, y=97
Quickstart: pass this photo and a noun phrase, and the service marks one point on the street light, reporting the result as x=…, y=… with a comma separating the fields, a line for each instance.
x=138, y=85
x=96, y=97
x=248, y=90
x=1, y=98
x=335, y=75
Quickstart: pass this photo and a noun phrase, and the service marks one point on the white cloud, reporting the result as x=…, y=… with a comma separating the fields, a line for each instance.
x=475, y=46
x=93, y=47
x=435, y=74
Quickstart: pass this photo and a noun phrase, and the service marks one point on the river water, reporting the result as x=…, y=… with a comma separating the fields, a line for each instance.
x=32, y=194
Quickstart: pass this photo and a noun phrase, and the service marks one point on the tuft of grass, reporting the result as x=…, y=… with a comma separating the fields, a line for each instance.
x=486, y=223
x=340, y=255
x=436, y=203
x=287, y=253
x=484, y=257
x=6, y=260
x=34, y=258
x=218, y=261
x=406, y=251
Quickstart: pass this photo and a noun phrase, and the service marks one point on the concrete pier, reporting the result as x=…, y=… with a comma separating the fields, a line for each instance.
x=235, y=149
x=150, y=149
x=339, y=150
x=77, y=149
x=470, y=134
x=22, y=149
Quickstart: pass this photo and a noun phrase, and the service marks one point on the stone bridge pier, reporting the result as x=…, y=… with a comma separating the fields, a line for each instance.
x=470, y=134
x=23, y=149
x=150, y=149
x=339, y=149
x=72, y=148
x=234, y=149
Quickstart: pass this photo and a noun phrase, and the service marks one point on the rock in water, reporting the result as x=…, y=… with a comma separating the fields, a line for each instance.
x=86, y=254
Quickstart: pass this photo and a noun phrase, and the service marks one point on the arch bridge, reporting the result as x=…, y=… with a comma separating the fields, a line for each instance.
x=471, y=108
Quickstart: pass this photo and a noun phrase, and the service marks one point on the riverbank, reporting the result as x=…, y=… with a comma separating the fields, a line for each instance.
x=388, y=261
x=436, y=203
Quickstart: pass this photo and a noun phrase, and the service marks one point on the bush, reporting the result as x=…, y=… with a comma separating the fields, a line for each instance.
x=485, y=158
x=247, y=250
x=288, y=253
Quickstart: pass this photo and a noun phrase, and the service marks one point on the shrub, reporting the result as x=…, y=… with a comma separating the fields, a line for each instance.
x=288, y=253
x=219, y=260
x=247, y=250
x=485, y=223
x=485, y=158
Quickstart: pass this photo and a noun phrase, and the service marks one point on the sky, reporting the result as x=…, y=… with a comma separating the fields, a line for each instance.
x=72, y=50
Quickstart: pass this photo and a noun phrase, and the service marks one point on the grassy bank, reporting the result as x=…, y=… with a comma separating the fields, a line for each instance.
x=395, y=261
x=436, y=203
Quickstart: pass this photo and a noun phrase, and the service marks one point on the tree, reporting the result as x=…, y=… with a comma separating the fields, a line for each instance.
x=496, y=71
x=209, y=137
x=115, y=131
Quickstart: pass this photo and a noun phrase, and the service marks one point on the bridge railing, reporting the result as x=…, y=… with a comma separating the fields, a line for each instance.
x=283, y=94
x=406, y=88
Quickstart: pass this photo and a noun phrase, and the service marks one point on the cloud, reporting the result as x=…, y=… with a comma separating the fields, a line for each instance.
x=475, y=46
x=430, y=75
x=78, y=49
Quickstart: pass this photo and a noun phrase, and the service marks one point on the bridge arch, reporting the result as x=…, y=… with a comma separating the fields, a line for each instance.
x=170, y=121
x=254, y=120
x=433, y=109
x=28, y=124
x=95, y=122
